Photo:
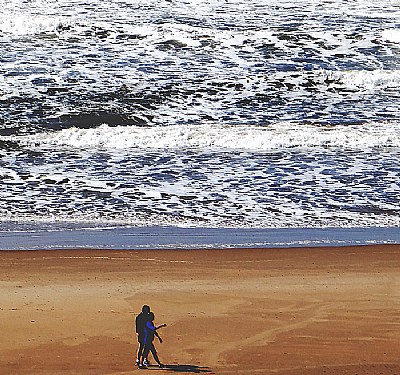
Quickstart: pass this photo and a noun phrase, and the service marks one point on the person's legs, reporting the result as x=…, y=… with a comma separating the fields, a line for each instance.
x=140, y=351
x=145, y=354
x=154, y=353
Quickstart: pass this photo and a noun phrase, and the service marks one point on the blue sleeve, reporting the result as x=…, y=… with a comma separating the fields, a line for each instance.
x=150, y=326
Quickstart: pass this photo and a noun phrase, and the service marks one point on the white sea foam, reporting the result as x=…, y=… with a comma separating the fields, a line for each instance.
x=367, y=79
x=273, y=137
x=226, y=88
x=392, y=35
x=27, y=24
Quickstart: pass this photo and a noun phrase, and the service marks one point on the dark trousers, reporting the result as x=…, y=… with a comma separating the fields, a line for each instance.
x=140, y=351
x=141, y=346
x=150, y=348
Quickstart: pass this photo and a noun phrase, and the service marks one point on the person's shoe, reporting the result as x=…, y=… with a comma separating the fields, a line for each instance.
x=141, y=365
x=161, y=365
x=137, y=362
x=146, y=362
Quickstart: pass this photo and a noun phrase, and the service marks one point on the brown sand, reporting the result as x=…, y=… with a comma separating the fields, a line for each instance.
x=265, y=311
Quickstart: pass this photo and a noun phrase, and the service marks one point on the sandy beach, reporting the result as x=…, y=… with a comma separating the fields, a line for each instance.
x=328, y=310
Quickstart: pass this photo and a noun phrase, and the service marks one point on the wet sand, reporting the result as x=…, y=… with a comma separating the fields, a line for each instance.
x=329, y=310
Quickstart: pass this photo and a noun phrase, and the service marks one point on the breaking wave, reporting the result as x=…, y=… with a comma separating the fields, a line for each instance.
x=255, y=138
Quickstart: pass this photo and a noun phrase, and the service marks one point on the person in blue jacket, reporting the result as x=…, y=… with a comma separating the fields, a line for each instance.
x=150, y=330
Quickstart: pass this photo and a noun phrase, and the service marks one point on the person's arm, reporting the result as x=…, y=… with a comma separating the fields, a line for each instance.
x=158, y=336
x=150, y=326
x=137, y=324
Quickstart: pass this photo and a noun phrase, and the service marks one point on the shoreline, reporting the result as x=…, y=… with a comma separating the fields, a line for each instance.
x=98, y=252
x=22, y=237
x=331, y=310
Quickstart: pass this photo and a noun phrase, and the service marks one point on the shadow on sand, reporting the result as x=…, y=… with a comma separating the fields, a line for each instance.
x=184, y=368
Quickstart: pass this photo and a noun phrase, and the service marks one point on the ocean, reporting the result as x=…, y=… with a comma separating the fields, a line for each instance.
x=223, y=116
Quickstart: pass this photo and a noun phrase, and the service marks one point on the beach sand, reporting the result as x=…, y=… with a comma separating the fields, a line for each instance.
x=329, y=310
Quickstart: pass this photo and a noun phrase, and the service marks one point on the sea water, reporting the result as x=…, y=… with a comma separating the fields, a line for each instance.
x=251, y=114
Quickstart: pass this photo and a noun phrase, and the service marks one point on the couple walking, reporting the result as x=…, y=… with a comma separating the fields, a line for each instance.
x=146, y=330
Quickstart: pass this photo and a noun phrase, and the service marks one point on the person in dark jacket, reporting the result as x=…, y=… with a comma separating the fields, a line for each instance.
x=141, y=321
